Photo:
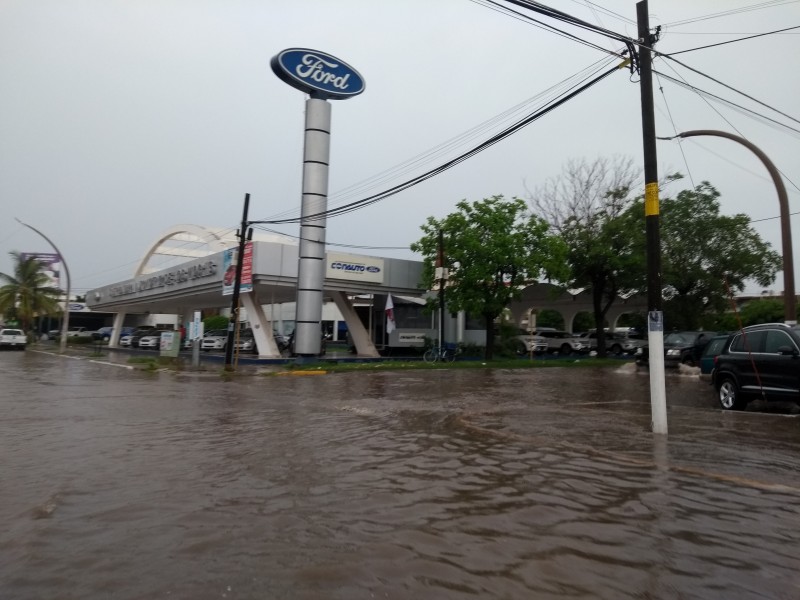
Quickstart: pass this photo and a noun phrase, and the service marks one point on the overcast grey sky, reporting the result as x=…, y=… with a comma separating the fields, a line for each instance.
x=121, y=118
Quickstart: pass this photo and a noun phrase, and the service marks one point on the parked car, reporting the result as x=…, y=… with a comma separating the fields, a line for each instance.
x=247, y=343
x=215, y=339
x=680, y=348
x=618, y=342
x=760, y=361
x=150, y=341
x=562, y=342
x=104, y=333
x=78, y=331
x=711, y=351
x=13, y=338
x=526, y=342
x=125, y=340
x=141, y=332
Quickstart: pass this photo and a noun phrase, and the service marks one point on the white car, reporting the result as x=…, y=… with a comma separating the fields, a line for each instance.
x=150, y=341
x=526, y=342
x=13, y=338
x=214, y=340
x=125, y=340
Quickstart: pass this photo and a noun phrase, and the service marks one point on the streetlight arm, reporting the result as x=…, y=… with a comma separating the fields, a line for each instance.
x=65, y=319
x=790, y=300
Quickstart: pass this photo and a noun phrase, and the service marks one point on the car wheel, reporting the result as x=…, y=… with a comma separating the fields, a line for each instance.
x=520, y=349
x=616, y=349
x=565, y=349
x=729, y=395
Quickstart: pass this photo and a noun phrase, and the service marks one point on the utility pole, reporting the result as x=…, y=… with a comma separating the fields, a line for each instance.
x=655, y=315
x=234, y=320
x=441, y=276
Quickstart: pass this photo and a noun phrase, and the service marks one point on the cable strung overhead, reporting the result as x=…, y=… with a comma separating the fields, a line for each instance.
x=450, y=164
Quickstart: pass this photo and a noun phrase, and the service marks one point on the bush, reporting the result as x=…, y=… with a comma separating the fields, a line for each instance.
x=215, y=322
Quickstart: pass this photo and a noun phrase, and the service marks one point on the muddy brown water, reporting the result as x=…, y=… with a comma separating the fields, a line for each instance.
x=419, y=484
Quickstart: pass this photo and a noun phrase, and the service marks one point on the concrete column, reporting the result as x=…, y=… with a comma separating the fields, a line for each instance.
x=358, y=333
x=119, y=319
x=311, y=267
x=262, y=327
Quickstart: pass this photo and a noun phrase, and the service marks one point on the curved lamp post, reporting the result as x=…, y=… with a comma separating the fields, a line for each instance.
x=65, y=319
x=790, y=300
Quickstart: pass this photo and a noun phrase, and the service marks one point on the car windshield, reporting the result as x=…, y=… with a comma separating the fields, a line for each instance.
x=685, y=337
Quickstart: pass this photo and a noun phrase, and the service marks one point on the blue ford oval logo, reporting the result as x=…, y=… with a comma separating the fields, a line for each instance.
x=317, y=73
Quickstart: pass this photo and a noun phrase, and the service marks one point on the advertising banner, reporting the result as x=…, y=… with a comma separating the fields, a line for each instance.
x=229, y=260
x=170, y=343
x=51, y=265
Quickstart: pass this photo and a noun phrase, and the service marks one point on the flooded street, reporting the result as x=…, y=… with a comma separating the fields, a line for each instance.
x=539, y=483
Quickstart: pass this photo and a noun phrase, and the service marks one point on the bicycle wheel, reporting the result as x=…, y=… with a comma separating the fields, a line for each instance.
x=448, y=355
x=429, y=356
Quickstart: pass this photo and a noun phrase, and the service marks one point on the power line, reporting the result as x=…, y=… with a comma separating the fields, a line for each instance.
x=675, y=131
x=478, y=132
x=450, y=164
x=764, y=104
x=732, y=41
x=728, y=102
x=734, y=11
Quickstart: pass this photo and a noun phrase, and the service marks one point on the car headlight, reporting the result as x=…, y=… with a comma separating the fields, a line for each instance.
x=673, y=352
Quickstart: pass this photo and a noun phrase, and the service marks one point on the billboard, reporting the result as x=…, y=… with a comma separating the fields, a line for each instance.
x=51, y=265
x=229, y=261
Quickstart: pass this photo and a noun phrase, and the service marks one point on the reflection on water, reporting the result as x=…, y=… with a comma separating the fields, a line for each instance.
x=462, y=484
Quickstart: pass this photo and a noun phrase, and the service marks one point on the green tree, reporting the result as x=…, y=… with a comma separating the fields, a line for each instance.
x=586, y=205
x=762, y=310
x=27, y=294
x=491, y=248
x=705, y=257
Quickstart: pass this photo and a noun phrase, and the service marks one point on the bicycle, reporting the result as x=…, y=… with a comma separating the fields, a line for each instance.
x=439, y=353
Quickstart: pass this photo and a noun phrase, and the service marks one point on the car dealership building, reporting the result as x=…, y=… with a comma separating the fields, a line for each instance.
x=197, y=283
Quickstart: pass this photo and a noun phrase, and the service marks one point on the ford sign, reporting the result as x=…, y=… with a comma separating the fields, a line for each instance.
x=318, y=74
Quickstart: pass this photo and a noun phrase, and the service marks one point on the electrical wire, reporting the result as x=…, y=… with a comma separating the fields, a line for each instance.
x=492, y=5
x=728, y=102
x=450, y=164
x=749, y=97
x=732, y=41
x=675, y=130
x=440, y=151
x=734, y=11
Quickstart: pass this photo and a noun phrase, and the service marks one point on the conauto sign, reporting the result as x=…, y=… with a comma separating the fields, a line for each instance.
x=317, y=73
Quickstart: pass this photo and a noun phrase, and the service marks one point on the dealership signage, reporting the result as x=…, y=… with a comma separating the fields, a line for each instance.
x=317, y=73
x=162, y=280
x=354, y=267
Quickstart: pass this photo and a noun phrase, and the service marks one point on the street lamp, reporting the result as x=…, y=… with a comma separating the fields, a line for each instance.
x=65, y=319
x=790, y=300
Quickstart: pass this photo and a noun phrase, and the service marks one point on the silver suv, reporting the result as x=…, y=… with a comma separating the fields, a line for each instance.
x=563, y=342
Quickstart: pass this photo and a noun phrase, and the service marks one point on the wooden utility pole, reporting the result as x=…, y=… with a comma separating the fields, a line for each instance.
x=655, y=316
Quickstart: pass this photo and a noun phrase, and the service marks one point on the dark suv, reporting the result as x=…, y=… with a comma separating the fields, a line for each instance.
x=760, y=361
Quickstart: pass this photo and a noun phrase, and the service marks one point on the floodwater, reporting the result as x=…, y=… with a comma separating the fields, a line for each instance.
x=504, y=484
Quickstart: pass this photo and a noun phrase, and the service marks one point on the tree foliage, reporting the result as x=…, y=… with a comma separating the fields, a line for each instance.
x=27, y=293
x=492, y=248
x=706, y=257
x=586, y=205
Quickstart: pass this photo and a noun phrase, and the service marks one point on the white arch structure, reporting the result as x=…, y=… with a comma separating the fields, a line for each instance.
x=193, y=241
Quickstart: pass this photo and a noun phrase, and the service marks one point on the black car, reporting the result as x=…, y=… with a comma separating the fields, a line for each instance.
x=680, y=348
x=760, y=361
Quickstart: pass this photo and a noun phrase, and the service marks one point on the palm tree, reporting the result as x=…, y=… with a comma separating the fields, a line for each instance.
x=28, y=294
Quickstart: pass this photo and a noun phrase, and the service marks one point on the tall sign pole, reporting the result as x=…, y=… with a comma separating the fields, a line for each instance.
x=323, y=77
x=655, y=315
